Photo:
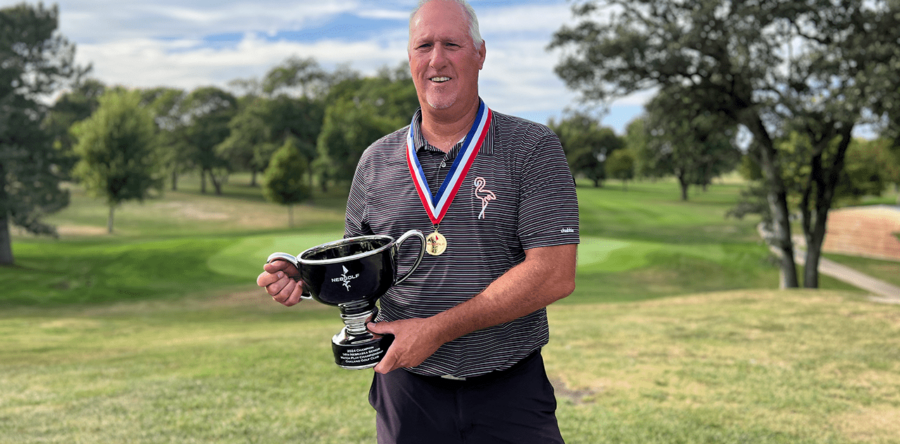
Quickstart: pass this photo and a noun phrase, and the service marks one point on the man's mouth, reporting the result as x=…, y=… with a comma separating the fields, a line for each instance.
x=440, y=79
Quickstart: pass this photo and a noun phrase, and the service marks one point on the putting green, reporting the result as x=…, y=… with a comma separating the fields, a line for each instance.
x=247, y=256
x=595, y=254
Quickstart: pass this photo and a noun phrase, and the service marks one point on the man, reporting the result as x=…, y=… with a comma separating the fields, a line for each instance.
x=496, y=196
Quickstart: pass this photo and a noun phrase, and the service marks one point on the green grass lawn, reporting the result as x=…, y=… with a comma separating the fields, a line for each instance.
x=156, y=333
x=743, y=366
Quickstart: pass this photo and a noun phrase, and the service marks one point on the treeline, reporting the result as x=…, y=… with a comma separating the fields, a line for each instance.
x=660, y=143
x=297, y=128
x=316, y=122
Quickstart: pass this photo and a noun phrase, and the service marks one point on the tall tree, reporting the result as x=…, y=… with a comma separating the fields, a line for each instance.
x=117, y=150
x=207, y=112
x=587, y=145
x=769, y=66
x=296, y=76
x=248, y=144
x=36, y=62
x=360, y=111
x=166, y=105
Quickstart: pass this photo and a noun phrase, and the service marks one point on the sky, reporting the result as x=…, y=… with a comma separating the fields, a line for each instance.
x=192, y=43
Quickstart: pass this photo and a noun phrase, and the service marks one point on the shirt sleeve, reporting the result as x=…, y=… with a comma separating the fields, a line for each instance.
x=548, y=204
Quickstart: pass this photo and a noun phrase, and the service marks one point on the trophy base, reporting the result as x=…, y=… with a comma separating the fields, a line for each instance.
x=359, y=352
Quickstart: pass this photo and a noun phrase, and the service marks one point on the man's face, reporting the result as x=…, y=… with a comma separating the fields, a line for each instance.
x=443, y=60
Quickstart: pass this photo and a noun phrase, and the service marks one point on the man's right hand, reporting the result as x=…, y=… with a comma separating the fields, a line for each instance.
x=279, y=284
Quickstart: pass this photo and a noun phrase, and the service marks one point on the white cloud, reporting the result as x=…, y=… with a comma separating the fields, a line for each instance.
x=173, y=43
x=147, y=62
x=100, y=21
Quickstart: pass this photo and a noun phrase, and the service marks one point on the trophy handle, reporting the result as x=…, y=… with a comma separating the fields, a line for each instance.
x=406, y=236
x=293, y=261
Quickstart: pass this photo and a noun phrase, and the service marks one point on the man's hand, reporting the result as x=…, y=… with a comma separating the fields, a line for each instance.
x=414, y=341
x=279, y=284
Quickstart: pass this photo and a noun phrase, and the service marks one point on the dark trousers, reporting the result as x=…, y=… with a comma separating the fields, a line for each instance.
x=513, y=406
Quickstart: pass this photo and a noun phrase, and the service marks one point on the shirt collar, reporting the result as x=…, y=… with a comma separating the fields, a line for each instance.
x=487, y=147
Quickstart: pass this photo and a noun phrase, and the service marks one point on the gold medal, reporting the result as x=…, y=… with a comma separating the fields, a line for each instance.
x=435, y=244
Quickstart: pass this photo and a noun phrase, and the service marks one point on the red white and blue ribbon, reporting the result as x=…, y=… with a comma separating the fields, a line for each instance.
x=436, y=205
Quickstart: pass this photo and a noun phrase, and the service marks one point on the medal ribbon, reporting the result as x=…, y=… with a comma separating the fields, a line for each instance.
x=436, y=205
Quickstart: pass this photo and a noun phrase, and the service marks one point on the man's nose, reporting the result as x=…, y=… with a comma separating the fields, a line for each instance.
x=438, y=57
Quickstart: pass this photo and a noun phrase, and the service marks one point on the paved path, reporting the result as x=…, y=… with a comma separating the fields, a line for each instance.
x=882, y=291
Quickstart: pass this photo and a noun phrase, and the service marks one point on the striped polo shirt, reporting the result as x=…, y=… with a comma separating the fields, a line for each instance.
x=532, y=203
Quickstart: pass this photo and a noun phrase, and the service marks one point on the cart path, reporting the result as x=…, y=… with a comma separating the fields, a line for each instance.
x=882, y=291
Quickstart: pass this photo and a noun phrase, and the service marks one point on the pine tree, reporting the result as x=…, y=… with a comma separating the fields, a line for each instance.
x=37, y=61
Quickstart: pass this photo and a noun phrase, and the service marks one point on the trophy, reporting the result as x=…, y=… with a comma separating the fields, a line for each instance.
x=352, y=274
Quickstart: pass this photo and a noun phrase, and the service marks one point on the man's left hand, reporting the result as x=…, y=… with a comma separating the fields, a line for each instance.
x=414, y=341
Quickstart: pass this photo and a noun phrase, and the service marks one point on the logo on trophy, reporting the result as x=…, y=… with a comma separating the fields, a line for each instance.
x=352, y=274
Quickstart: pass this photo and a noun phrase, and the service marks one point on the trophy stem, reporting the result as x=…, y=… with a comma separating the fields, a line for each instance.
x=355, y=317
x=355, y=347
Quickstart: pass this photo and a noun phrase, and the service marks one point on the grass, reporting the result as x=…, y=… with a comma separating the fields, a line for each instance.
x=652, y=211
x=888, y=271
x=760, y=366
x=239, y=210
x=157, y=334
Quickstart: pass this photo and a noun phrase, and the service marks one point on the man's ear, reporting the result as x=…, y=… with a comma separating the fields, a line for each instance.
x=482, y=54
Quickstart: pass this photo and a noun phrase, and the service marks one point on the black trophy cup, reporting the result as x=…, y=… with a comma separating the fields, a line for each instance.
x=352, y=274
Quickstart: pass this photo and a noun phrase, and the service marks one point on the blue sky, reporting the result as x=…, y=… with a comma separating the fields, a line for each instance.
x=193, y=43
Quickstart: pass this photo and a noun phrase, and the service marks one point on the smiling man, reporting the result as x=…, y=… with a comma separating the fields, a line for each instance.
x=496, y=195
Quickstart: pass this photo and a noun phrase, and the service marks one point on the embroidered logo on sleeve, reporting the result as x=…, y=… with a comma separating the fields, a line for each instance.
x=485, y=195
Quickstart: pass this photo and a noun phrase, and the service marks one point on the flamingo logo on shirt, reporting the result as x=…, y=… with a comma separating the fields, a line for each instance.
x=485, y=195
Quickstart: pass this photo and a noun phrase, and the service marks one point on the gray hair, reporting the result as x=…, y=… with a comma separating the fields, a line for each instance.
x=470, y=14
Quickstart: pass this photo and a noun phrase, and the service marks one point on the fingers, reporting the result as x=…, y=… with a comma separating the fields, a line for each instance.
x=281, y=265
x=379, y=328
x=388, y=363
x=391, y=359
x=282, y=288
x=295, y=296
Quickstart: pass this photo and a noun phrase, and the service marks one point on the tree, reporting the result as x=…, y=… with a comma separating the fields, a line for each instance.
x=247, y=145
x=296, y=76
x=690, y=143
x=283, y=180
x=647, y=163
x=208, y=111
x=586, y=144
x=772, y=67
x=621, y=166
x=166, y=105
x=117, y=149
x=70, y=108
x=361, y=111
x=287, y=103
x=36, y=61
